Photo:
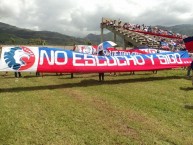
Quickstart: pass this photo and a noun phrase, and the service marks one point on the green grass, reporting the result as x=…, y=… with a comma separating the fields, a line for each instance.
x=144, y=108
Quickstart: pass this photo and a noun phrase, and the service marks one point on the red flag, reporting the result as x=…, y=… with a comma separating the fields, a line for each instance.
x=189, y=43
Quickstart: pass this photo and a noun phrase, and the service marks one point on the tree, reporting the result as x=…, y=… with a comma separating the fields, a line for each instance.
x=12, y=40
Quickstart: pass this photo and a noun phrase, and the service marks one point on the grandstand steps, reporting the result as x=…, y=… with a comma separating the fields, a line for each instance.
x=122, y=33
x=137, y=39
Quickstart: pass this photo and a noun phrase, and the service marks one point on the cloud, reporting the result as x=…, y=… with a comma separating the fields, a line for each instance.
x=81, y=17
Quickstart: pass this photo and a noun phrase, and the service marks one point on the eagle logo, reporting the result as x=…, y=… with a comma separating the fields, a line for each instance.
x=19, y=58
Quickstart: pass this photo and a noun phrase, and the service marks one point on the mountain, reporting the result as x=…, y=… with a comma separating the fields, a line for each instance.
x=96, y=39
x=186, y=29
x=14, y=35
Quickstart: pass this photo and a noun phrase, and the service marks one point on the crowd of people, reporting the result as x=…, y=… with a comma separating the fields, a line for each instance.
x=143, y=28
x=168, y=40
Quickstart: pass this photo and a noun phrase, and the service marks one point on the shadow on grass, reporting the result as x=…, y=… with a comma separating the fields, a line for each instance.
x=86, y=83
x=186, y=88
x=188, y=106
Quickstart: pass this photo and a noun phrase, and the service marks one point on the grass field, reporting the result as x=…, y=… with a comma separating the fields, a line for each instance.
x=144, y=108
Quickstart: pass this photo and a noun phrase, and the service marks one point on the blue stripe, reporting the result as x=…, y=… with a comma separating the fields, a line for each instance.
x=60, y=55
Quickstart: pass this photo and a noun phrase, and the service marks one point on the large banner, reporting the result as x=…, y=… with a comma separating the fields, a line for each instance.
x=43, y=59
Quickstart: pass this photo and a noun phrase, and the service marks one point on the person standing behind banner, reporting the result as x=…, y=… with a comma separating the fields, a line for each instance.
x=155, y=71
x=101, y=74
x=17, y=74
x=189, y=68
x=5, y=74
x=71, y=74
x=37, y=74
x=188, y=71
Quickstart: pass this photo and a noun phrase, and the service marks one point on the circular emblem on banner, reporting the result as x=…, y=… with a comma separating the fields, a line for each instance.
x=19, y=58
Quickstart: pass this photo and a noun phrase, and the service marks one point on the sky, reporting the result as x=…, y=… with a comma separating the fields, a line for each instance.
x=79, y=18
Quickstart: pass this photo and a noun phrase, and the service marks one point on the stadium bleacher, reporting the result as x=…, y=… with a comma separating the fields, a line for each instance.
x=139, y=37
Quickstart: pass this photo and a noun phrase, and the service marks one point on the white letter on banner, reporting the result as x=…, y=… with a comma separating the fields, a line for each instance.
x=178, y=58
x=115, y=52
x=98, y=58
x=118, y=58
x=75, y=58
x=140, y=58
x=127, y=53
x=109, y=63
x=171, y=59
x=89, y=60
x=162, y=58
x=111, y=53
x=151, y=58
x=50, y=61
x=130, y=59
x=65, y=58
x=121, y=53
